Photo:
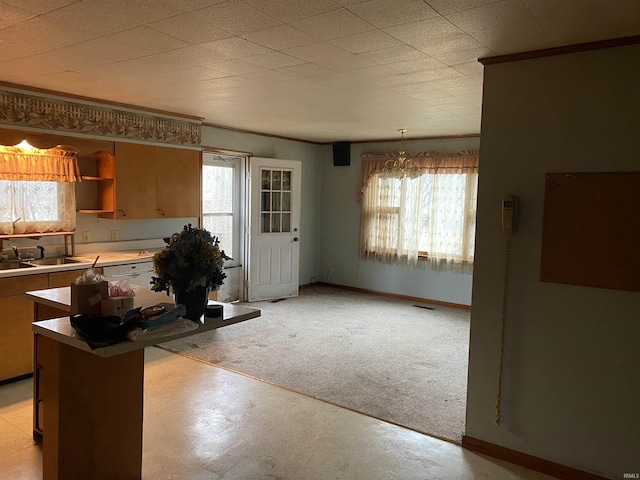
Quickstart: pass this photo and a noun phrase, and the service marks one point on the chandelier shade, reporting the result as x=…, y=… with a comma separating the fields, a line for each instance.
x=400, y=167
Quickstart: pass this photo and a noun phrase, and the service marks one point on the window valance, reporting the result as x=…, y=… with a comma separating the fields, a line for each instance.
x=25, y=162
x=427, y=162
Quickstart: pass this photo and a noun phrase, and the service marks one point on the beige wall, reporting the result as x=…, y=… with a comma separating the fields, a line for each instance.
x=570, y=388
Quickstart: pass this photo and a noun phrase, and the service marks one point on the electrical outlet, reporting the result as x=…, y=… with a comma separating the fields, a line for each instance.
x=86, y=237
x=114, y=235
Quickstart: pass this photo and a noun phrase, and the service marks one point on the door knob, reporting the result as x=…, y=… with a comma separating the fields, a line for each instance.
x=295, y=239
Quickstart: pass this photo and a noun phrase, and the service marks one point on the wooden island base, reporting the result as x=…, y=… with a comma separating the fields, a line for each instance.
x=93, y=412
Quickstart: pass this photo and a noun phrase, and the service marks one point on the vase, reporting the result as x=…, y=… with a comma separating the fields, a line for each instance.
x=195, y=301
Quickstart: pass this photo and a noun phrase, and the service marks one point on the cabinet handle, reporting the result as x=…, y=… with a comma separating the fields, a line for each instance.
x=161, y=211
x=124, y=214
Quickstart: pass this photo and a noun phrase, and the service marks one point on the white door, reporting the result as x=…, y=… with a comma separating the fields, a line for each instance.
x=274, y=232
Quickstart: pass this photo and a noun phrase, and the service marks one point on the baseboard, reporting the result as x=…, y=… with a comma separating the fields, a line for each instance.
x=387, y=294
x=532, y=463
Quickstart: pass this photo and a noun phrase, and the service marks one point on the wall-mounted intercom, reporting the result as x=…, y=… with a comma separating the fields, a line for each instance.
x=509, y=213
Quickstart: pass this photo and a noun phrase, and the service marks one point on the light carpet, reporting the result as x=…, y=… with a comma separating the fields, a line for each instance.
x=381, y=356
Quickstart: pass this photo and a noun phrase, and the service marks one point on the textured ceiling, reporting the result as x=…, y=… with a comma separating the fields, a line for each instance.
x=318, y=70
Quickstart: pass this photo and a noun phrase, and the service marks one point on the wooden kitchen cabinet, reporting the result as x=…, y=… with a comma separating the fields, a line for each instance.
x=155, y=182
x=16, y=348
x=17, y=313
x=178, y=188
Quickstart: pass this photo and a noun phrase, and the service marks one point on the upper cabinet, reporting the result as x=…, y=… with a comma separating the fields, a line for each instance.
x=154, y=182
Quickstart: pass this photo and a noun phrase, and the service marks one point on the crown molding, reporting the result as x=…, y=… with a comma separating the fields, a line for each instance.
x=549, y=52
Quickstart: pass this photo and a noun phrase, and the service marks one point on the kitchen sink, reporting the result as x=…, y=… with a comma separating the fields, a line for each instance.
x=13, y=265
x=51, y=261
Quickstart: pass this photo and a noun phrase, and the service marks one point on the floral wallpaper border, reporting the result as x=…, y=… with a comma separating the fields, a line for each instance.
x=32, y=111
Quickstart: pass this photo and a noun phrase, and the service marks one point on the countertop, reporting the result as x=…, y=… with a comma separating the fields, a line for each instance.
x=60, y=329
x=85, y=261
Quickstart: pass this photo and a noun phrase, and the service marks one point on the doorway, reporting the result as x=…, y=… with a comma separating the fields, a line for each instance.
x=223, y=207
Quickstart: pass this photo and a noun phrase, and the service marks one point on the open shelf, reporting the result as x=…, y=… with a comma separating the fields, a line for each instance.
x=69, y=239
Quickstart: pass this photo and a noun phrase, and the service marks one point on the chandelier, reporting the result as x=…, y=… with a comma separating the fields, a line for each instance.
x=400, y=167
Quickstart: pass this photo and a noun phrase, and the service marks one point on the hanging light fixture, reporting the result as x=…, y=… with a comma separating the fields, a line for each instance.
x=400, y=167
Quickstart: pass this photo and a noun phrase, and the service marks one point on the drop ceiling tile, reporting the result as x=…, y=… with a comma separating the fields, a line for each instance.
x=235, y=47
x=348, y=3
x=473, y=70
x=445, y=7
x=457, y=57
x=292, y=10
x=33, y=36
x=544, y=8
x=236, y=66
x=147, y=40
x=329, y=56
x=88, y=19
x=14, y=14
x=186, y=75
x=237, y=17
x=382, y=13
x=190, y=27
x=437, y=74
x=266, y=76
x=394, y=54
x=280, y=37
x=451, y=43
x=491, y=16
x=23, y=69
x=423, y=33
x=78, y=82
x=515, y=37
x=366, y=41
x=148, y=11
x=274, y=60
x=419, y=65
x=334, y=24
x=305, y=70
x=163, y=62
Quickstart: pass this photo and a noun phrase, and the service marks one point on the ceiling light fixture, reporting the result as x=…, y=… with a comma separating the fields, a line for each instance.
x=401, y=166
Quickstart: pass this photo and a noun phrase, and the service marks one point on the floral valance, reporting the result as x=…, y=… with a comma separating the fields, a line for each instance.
x=25, y=162
x=427, y=162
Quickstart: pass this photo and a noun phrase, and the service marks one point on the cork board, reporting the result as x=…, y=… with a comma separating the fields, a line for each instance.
x=591, y=230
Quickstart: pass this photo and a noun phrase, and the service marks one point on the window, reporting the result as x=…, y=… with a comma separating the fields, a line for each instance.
x=36, y=207
x=37, y=192
x=431, y=217
x=221, y=201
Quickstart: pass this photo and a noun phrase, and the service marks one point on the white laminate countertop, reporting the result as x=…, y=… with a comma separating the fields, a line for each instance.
x=85, y=261
x=60, y=329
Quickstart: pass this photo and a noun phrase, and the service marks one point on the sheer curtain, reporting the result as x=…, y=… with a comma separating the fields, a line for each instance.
x=37, y=189
x=431, y=216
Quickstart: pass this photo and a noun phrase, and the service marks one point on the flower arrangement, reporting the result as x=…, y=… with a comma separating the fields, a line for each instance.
x=191, y=259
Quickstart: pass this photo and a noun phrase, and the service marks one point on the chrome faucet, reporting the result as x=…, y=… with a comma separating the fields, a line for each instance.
x=16, y=252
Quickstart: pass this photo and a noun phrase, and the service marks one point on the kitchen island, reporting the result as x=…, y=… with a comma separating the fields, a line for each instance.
x=88, y=404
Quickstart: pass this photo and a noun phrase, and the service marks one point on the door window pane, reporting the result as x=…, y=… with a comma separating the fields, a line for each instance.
x=286, y=180
x=275, y=198
x=275, y=222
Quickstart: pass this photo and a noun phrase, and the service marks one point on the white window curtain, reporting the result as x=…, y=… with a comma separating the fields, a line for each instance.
x=37, y=189
x=431, y=216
